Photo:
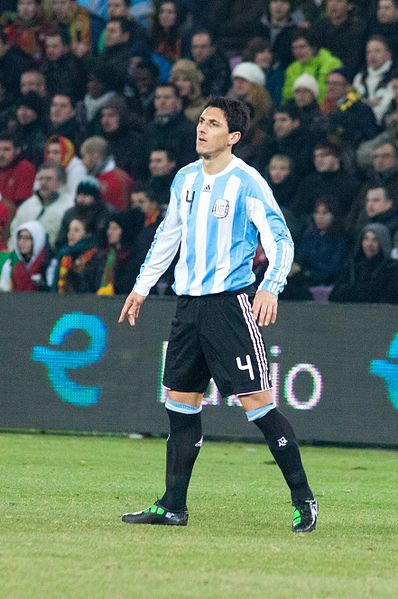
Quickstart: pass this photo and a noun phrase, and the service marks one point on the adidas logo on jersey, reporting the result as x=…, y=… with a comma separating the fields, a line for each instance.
x=207, y=189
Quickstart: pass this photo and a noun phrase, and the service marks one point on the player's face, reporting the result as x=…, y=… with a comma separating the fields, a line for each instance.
x=370, y=244
x=212, y=135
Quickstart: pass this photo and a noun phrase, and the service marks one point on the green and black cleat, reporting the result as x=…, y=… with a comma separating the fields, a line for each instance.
x=157, y=514
x=305, y=514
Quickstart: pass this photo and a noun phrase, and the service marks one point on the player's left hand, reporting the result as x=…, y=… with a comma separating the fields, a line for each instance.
x=265, y=308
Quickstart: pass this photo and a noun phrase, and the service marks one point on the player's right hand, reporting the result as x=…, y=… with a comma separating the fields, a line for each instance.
x=131, y=307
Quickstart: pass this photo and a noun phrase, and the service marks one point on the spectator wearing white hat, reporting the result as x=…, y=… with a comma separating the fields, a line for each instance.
x=305, y=98
x=248, y=85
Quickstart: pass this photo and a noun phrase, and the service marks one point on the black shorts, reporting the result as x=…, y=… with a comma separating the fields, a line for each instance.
x=216, y=336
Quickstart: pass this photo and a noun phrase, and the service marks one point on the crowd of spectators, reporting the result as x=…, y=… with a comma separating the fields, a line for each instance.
x=97, y=115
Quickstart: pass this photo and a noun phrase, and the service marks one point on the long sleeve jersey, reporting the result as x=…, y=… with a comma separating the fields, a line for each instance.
x=215, y=221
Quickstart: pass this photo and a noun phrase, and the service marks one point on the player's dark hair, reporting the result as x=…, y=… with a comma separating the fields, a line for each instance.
x=237, y=113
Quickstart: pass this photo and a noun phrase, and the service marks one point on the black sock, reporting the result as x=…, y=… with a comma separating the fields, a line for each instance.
x=283, y=445
x=183, y=447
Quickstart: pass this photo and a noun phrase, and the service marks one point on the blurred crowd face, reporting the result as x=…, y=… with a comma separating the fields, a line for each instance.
x=376, y=54
x=166, y=101
x=263, y=59
x=370, y=245
x=85, y=199
x=33, y=81
x=61, y=110
x=337, y=10
x=114, y=233
x=114, y=35
x=26, y=9
x=302, y=51
x=323, y=218
x=284, y=125
x=160, y=165
x=25, y=115
x=95, y=87
x=140, y=200
x=55, y=48
x=61, y=8
x=303, y=97
x=54, y=153
x=325, y=161
x=25, y=243
x=110, y=120
x=278, y=170
x=48, y=182
x=117, y=8
x=385, y=158
x=91, y=160
x=377, y=202
x=183, y=84
x=242, y=88
x=279, y=11
x=337, y=86
x=387, y=11
x=76, y=232
x=4, y=47
x=167, y=15
x=201, y=47
x=8, y=153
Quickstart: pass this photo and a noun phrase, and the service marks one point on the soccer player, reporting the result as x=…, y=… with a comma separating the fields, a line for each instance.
x=218, y=206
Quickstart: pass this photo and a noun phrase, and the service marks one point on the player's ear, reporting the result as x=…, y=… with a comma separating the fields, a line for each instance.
x=234, y=138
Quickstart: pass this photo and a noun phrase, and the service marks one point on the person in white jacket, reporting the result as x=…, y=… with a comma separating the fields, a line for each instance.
x=374, y=82
x=48, y=204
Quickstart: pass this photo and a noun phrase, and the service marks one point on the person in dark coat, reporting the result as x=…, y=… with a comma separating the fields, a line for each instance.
x=63, y=120
x=13, y=62
x=211, y=62
x=31, y=127
x=379, y=208
x=370, y=276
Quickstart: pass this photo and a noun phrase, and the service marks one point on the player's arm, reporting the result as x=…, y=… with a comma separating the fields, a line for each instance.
x=159, y=257
x=276, y=240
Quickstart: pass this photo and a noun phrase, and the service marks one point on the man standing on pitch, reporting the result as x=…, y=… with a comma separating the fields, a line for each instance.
x=218, y=206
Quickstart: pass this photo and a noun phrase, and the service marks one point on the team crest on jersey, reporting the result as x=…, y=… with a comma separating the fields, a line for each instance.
x=220, y=208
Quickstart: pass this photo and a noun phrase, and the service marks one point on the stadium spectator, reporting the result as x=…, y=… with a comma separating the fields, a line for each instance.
x=311, y=59
x=7, y=211
x=88, y=205
x=141, y=84
x=170, y=126
x=75, y=20
x=305, y=98
x=251, y=147
x=370, y=276
x=31, y=128
x=74, y=273
x=101, y=86
x=63, y=119
x=163, y=167
x=61, y=150
x=48, y=204
x=278, y=26
x=283, y=183
x=116, y=184
x=116, y=265
x=248, y=85
x=260, y=52
x=16, y=174
x=337, y=30
x=374, y=81
x=212, y=63
x=329, y=180
x=320, y=254
x=379, y=208
x=166, y=29
x=64, y=72
x=232, y=23
x=386, y=24
x=351, y=121
x=28, y=29
x=33, y=80
x=26, y=268
x=385, y=166
x=188, y=78
x=13, y=62
x=116, y=8
x=125, y=141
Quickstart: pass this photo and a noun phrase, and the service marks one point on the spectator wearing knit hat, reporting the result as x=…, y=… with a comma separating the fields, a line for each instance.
x=31, y=127
x=61, y=150
x=88, y=204
x=306, y=93
x=248, y=81
x=188, y=78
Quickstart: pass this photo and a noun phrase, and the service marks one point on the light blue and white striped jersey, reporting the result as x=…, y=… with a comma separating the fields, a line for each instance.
x=215, y=221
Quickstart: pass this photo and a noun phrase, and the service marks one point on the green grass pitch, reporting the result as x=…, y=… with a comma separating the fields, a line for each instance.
x=61, y=536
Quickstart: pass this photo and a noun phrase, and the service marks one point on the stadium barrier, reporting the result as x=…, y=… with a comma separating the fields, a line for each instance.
x=67, y=365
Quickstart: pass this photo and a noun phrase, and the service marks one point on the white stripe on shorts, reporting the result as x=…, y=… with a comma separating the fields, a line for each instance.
x=257, y=340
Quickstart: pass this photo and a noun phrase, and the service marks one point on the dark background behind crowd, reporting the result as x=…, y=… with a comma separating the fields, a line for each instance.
x=97, y=115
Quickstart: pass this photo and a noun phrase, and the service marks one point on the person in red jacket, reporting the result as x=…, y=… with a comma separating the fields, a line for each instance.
x=116, y=184
x=17, y=175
